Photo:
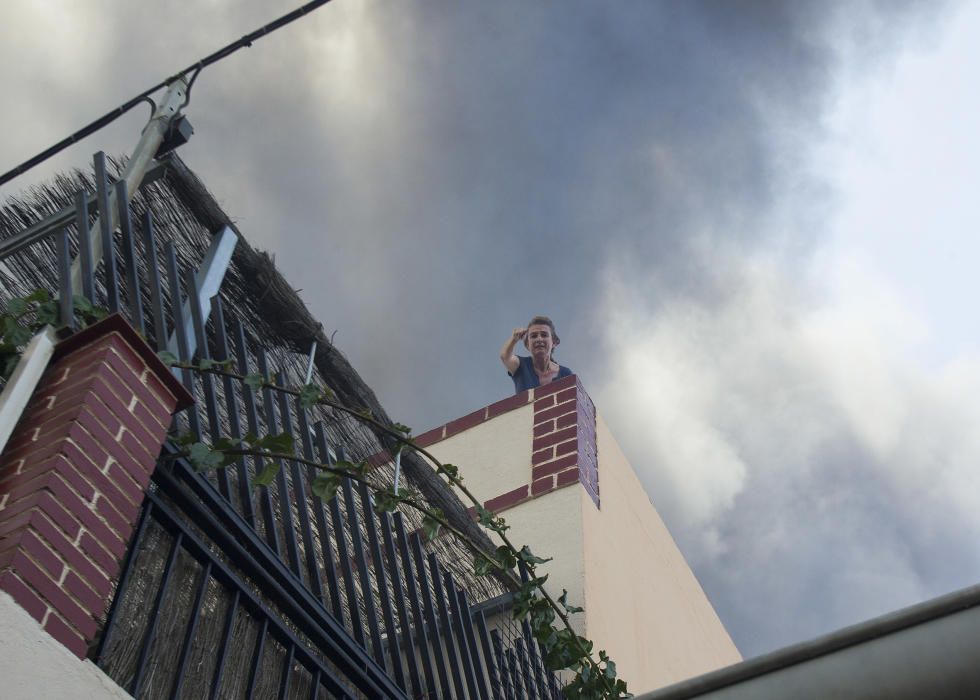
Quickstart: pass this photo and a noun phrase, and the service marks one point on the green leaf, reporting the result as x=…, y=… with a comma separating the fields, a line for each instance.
x=386, y=501
x=325, y=486
x=17, y=306
x=15, y=333
x=281, y=443
x=484, y=516
x=47, y=314
x=450, y=470
x=227, y=443
x=431, y=525
x=204, y=458
x=255, y=380
x=38, y=295
x=505, y=555
x=206, y=363
x=401, y=428
x=87, y=310
x=8, y=364
x=528, y=558
x=167, y=358
x=355, y=468
x=563, y=599
x=309, y=395
x=265, y=477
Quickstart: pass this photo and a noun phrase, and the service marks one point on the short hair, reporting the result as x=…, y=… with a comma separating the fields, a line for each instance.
x=544, y=321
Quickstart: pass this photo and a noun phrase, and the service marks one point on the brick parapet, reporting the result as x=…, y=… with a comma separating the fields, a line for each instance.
x=563, y=440
x=73, y=475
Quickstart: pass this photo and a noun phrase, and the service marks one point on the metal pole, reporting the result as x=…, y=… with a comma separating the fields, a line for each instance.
x=137, y=166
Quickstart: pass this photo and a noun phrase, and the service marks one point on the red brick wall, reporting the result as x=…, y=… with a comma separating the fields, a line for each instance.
x=73, y=474
x=563, y=449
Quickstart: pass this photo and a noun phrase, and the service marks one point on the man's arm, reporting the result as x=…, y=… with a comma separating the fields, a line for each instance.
x=507, y=355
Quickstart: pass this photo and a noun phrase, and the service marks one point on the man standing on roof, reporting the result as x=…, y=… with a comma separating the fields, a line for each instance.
x=540, y=368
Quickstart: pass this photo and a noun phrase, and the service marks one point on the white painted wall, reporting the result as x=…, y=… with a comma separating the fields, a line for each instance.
x=494, y=457
x=34, y=666
x=643, y=603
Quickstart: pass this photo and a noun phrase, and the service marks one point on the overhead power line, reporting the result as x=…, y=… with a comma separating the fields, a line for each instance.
x=112, y=115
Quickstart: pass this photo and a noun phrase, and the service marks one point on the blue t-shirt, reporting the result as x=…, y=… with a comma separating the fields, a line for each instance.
x=526, y=378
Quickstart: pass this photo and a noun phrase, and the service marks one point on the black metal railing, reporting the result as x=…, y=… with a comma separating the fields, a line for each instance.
x=234, y=591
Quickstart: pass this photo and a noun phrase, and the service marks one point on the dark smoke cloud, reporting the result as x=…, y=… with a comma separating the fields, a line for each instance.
x=432, y=174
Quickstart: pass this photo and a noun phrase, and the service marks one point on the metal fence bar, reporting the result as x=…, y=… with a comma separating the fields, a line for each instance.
x=408, y=642
x=129, y=258
x=554, y=687
x=156, y=294
x=137, y=682
x=185, y=649
x=66, y=312
x=333, y=586
x=452, y=654
x=287, y=672
x=468, y=669
x=223, y=353
x=490, y=660
x=131, y=554
x=430, y=614
x=343, y=555
x=315, y=686
x=105, y=219
x=415, y=599
x=85, y=245
x=523, y=662
x=252, y=416
x=503, y=667
x=219, y=669
x=170, y=253
x=316, y=585
x=466, y=621
x=238, y=547
x=299, y=490
x=364, y=575
x=387, y=611
x=285, y=508
x=513, y=668
x=253, y=675
x=207, y=380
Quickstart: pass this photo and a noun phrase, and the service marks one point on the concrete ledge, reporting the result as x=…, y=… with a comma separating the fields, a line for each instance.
x=35, y=666
x=924, y=651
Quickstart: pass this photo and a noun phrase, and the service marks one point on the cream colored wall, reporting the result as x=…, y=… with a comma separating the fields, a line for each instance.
x=552, y=527
x=494, y=457
x=643, y=604
x=34, y=666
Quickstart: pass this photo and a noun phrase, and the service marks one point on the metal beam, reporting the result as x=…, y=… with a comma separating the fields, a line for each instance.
x=50, y=225
x=137, y=166
x=208, y=281
x=925, y=651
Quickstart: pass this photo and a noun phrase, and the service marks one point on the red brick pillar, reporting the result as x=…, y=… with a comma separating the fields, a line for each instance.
x=72, y=476
x=563, y=450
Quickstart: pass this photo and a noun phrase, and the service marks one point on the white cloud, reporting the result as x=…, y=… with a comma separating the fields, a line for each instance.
x=784, y=437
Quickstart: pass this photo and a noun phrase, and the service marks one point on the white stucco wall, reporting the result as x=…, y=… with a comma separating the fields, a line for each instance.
x=34, y=666
x=643, y=603
x=494, y=457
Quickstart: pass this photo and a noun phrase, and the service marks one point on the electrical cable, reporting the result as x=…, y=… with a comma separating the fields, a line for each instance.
x=197, y=67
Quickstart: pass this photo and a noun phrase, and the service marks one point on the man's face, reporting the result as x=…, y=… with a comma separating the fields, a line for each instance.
x=539, y=340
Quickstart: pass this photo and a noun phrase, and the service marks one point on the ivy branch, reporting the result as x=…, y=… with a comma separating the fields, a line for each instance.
x=562, y=647
x=24, y=316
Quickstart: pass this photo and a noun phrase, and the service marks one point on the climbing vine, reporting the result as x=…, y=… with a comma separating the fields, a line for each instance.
x=549, y=617
x=24, y=316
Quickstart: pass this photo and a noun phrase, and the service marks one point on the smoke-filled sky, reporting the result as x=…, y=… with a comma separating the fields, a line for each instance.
x=753, y=223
